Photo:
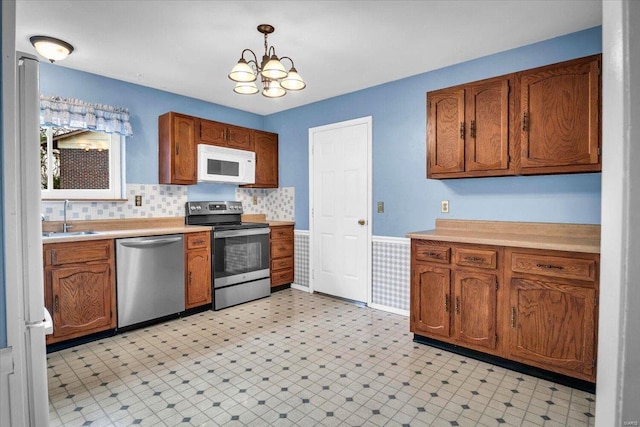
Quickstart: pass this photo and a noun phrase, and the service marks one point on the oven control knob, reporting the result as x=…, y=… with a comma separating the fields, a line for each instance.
x=192, y=208
x=198, y=207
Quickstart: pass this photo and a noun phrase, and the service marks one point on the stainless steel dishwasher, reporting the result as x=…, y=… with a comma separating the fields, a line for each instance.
x=149, y=278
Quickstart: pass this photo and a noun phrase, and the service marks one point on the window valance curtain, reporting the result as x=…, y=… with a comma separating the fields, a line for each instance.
x=76, y=114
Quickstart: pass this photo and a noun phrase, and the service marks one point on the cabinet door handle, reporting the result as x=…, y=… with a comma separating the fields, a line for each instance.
x=446, y=303
x=513, y=317
x=472, y=128
x=473, y=259
x=56, y=304
x=461, y=130
x=550, y=266
x=190, y=277
x=524, y=121
x=177, y=149
x=457, y=305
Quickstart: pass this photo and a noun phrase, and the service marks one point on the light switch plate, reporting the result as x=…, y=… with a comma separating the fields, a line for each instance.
x=380, y=207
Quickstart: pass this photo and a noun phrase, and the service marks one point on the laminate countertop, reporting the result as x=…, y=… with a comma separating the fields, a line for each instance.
x=116, y=229
x=551, y=236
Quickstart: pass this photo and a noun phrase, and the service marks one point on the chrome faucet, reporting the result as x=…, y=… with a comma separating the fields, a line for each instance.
x=65, y=226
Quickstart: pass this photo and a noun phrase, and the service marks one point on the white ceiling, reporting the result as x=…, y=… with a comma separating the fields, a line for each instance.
x=188, y=47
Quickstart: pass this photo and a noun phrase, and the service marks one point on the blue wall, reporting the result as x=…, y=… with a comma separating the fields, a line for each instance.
x=412, y=202
x=145, y=105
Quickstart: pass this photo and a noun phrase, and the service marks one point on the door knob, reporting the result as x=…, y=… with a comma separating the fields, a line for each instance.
x=361, y=221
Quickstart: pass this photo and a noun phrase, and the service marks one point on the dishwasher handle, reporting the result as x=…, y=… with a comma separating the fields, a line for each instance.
x=150, y=243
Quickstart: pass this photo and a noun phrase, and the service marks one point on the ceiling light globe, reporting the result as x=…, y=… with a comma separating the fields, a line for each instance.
x=242, y=72
x=274, y=69
x=272, y=89
x=293, y=81
x=246, y=88
x=51, y=48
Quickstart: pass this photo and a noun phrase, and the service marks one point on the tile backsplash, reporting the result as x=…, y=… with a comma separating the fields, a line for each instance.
x=278, y=204
x=157, y=201
x=160, y=200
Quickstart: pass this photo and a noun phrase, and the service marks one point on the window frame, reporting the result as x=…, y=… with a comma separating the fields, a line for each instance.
x=116, y=173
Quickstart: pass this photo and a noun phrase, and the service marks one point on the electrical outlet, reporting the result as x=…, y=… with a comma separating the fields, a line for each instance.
x=444, y=206
x=138, y=200
x=380, y=207
x=255, y=200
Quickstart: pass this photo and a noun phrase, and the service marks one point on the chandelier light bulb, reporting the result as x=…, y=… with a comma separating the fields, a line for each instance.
x=246, y=88
x=293, y=81
x=242, y=72
x=272, y=89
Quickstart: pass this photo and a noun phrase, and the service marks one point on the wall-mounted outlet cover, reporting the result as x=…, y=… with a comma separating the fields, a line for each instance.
x=444, y=206
x=255, y=200
x=138, y=200
x=380, y=207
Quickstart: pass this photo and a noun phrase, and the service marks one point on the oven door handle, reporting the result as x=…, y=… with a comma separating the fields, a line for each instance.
x=241, y=232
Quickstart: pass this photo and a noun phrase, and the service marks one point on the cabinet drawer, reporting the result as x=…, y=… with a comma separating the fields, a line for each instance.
x=278, y=233
x=282, y=263
x=281, y=249
x=281, y=277
x=482, y=258
x=555, y=266
x=197, y=240
x=77, y=252
x=430, y=251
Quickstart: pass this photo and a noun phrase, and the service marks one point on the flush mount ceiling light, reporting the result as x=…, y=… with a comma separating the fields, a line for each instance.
x=276, y=81
x=51, y=48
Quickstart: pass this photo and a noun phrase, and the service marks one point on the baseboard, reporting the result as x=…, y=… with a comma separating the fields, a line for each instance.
x=300, y=287
x=393, y=310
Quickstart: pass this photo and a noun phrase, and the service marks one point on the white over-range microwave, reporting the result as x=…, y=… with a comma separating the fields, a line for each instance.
x=226, y=165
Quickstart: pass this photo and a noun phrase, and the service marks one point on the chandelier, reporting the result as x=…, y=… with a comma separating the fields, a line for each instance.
x=276, y=81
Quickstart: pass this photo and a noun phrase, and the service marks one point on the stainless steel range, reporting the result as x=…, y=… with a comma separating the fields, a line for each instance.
x=240, y=252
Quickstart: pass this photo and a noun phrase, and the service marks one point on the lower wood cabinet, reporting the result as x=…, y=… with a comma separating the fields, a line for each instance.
x=282, y=246
x=536, y=307
x=552, y=319
x=197, y=286
x=79, y=279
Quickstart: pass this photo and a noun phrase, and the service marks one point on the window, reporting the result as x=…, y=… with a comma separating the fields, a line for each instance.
x=81, y=164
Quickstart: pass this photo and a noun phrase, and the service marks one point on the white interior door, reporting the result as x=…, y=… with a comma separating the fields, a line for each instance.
x=340, y=200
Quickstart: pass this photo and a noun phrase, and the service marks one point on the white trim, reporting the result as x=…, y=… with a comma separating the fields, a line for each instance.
x=388, y=309
x=368, y=120
x=301, y=232
x=6, y=369
x=300, y=288
x=391, y=239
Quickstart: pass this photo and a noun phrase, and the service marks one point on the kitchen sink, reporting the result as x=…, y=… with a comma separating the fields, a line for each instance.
x=69, y=233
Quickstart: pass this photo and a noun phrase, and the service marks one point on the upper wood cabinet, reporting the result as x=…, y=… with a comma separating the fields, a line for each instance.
x=177, y=150
x=266, y=149
x=560, y=118
x=468, y=130
x=179, y=136
x=540, y=121
x=224, y=135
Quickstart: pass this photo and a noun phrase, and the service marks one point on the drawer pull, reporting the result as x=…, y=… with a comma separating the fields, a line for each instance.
x=446, y=303
x=550, y=266
x=513, y=317
x=457, y=305
x=432, y=254
x=473, y=259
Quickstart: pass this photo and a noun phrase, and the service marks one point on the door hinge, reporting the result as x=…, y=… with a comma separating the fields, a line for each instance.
x=496, y=286
x=599, y=151
x=593, y=363
x=595, y=301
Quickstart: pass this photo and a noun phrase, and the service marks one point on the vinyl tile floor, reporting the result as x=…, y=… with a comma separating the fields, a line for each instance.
x=294, y=359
